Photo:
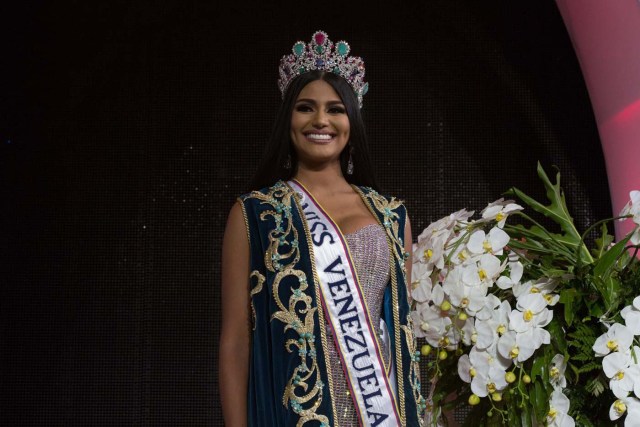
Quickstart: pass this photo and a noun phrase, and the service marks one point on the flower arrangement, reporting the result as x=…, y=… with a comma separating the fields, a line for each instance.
x=529, y=326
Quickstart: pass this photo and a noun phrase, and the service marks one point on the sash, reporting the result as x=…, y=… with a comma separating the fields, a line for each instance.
x=344, y=305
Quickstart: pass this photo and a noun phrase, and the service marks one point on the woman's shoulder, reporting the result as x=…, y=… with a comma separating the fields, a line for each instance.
x=277, y=190
x=275, y=197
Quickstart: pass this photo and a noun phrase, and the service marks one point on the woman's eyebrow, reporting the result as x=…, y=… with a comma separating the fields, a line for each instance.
x=312, y=101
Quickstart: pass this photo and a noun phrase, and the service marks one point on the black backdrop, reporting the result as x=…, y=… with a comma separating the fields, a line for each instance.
x=127, y=129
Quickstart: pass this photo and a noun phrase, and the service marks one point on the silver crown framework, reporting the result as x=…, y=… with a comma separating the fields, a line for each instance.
x=322, y=54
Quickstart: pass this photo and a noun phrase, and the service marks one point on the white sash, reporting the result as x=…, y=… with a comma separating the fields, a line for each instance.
x=345, y=307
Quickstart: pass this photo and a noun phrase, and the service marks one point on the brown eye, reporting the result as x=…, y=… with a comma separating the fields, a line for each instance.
x=337, y=110
x=303, y=108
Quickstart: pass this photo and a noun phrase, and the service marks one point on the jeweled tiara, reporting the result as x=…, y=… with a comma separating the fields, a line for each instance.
x=322, y=54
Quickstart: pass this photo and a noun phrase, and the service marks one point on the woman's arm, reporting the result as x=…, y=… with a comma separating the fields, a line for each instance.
x=235, y=339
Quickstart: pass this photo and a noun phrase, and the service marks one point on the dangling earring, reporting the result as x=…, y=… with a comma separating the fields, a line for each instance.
x=350, y=162
x=287, y=163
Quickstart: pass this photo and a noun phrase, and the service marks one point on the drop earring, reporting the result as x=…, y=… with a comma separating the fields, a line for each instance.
x=350, y=162
x=287, y=163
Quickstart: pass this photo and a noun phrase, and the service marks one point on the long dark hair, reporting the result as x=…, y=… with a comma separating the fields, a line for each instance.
x=272, y=165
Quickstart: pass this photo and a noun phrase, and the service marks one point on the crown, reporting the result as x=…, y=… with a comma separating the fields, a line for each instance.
x=322, y=54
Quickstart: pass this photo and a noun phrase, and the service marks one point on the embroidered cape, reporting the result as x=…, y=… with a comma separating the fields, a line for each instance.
x=290, y=380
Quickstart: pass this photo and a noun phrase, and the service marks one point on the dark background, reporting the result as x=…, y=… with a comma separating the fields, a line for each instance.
x=128, y=128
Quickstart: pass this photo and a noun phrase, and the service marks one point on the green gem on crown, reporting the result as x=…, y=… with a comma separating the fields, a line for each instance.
x=342, y=48
x=298, y=48
x=319, y=49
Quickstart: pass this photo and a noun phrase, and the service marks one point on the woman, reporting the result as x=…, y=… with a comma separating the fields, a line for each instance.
x=315, y=301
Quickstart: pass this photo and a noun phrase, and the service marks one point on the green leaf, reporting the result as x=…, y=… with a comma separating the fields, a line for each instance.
x=591, y=366
x=539, y=366
x=541, y=400
x=609, y=258
x=566, y=298
x=513, y=412
x=603, y=242
x=575, y=370
x=546, y=236
x=557, y=335
x=526, y=416
x=581, y=357
x=609, y=288
x=557, y=210
x=595, y=387
x=595, y=308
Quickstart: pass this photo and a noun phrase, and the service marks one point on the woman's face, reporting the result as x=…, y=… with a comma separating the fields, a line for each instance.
x=319, y=125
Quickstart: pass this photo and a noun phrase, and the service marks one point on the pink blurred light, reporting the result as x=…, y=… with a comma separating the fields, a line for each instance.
x=606, y=38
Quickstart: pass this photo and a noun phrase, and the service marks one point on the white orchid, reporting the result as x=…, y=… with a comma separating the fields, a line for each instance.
x=456, y=263
x=527, y=332
x=515, y=274
x=520, y=346
x=433, y=322
x=483, y=272
x=500, y=210
x=628, y=405
x=631, y=316
x=633, y=208
x=488, y=373
x=559, y=410
x=556, y=372
x=466, y=371
x=492, y=243
x=468, y=298
x=420, y=283
x=531, y=314
x=488, y=382
x=469, y=333
x=430, y=253
x=616, y=367
x=443, y=228
x=491, y=302
x=544, y=286
x=491, y=329
x=430, y=322
x=617, y=338
x=488, y=357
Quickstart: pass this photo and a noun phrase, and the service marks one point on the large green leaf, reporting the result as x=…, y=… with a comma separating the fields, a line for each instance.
x=546, y=236
x=557, y=210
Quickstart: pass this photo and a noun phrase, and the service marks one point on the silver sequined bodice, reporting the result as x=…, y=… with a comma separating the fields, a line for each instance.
x=370, y=252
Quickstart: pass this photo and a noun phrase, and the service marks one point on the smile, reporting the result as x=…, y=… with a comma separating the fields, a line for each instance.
x=319, y=137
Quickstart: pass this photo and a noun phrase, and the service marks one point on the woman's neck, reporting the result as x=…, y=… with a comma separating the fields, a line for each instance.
x=323, y=182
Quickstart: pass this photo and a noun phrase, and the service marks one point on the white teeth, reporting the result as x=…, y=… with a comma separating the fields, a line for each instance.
x=318, y=136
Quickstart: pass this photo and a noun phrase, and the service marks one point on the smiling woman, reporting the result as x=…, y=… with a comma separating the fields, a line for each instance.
x=319, y=125
x=314, y=273
x=280, y=160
